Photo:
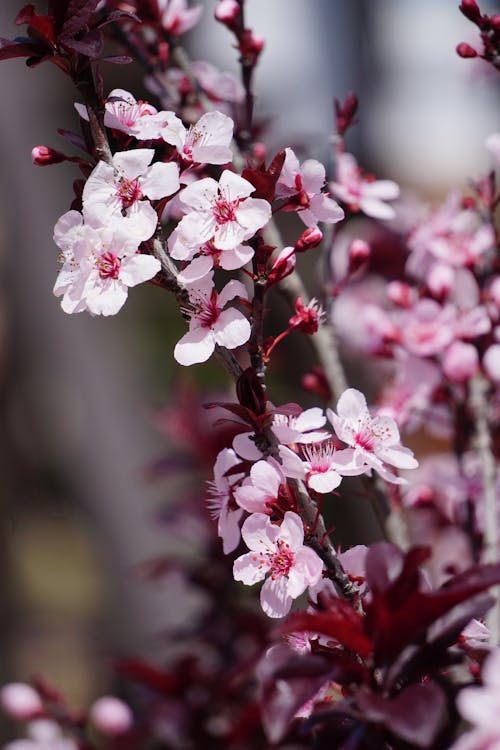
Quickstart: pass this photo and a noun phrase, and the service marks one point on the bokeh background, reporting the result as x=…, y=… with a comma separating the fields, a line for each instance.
x=80, y=397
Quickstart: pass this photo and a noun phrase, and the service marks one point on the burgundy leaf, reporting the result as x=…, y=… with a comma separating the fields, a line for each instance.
x=44, y=25
x=91, y=45
x=77, y=17
x=341, y=623
x=118, y=15
x=264, y=180
x=10, y=49
x=74, y=138
x=140, y=671
x=416, y=715
x=117, y=60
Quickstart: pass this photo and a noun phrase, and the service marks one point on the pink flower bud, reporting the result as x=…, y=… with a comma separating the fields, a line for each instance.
x=310, y=237
x=111, y=716
x=495, y=22
x=400, y=293
x=316, y=382
x=491, y=362
x=344, y=113
x=20, y=700
x=44, y=155
x=465, y=50
x=359, y=252
x=440, y=280
x=470, y=9
x=227, y=12
x=283, y=266
x=493, y=291
x=460, y=362
x=259, y=151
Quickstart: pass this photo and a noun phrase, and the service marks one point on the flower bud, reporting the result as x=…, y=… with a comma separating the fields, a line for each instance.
x=44, y=155
x=359, y=252
x=460, y=362
x=495, y=22
x=470, y=9
x=465, y=50
x=491, y=362
x=440, y=280
x=20, y=700
x=400, y=293
x=111, y=716
x=316, y=382
x=227, y=12
x=283, y=266
x=310, y=237
x=344, y=113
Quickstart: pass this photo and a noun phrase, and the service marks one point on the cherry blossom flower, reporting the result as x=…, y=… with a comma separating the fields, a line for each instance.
x=222, y=212
x=111, y=716
x=374, y=440
x=177, y=17
x=300, y=428
x=302, y=186
x=360, y=193
x=221, y=502
x=218, y=85
x=20, y=700
x=122, y=111
x=262, y=488
x=427, y=328
x=480, y=705
x=278, y=551
x=42, y=734
x=99, y=264
x=308, y=317
x=492, y=143
x=210, y=324
x=460, y=362
x=121, y=189
x=320, y=465
x=491, y=362
x=208, y=257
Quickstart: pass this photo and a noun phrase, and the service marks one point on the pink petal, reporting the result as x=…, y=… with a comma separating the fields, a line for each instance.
x=161, y=180
x=195, y=346
x=139, y=268
x=232, y=329
x=133, y=163
x=246, y=569
x=275, y=598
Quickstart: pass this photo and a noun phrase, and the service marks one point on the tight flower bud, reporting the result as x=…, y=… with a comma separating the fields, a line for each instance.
x=400, y=293
x=470, y=9
x=227, y=12
x=310, y=238
x=359, y=252
x=465, y=50
x=111, y=716
x=44, y=155
x=460, y=362
x=20, y=700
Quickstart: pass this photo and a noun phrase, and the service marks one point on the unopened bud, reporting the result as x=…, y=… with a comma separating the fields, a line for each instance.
x=316, y=382
x=460, y=362
x=227, y=12
x=359, y=252
x=344, y=113
x=440, y=279
x=259, y=151
x=283, y=266
x=111, y=716
x=44, y=155
x=465, y=50
x=251, y=45
x=20, y=700
x=400, y=293
x=310, y=238
x=470, y=9
x=495, y=22
x=491, y=362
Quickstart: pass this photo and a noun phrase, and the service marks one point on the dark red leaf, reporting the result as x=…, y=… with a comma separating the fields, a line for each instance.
x=10, y=49
x=44, y=25
x=139, y=671
x=77, y=16
x=117, y=16
x=74, y=138
x=264, y=180
x=416, y=715
x=117, y=59
x=90, y=45
x=341, y=623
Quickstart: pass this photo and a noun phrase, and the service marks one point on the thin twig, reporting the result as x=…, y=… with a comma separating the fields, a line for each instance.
x=478, y=390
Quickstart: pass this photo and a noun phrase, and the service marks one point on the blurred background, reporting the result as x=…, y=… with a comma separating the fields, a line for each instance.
x=81, y=399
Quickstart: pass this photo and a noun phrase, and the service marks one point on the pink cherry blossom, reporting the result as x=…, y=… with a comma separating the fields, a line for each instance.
x=20, y=700
x=491, y=362
x=304, y=427
x=492, y=143
x=122, y=111
x=360, y=193
x=177, y=17
x=427, y=328
x=321, y=466
x=219, y=85
x=99, y=264
x=460, y=362
x=111, y=716
x=480, y=705
x=278, y=551
x=121, y=190
x=222, y=212
x=42, y=734
x=262, y=488
x=221, y=502
x=302, y=186
x=206, y=257
x=210, y=323
x=375, y=440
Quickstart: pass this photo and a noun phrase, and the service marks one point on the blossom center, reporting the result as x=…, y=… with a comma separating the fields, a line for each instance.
x=129, y=192
x=224, y=211
x=320, y=457
x=281, y=561
x=208, y=311
x=108, y=265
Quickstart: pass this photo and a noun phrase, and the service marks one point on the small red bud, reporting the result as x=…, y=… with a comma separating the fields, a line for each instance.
x=316, y=382
x=495, y=22
x=359, y=252
x=468, y=202
x=227, y=12
x=259, y=151
x=310, y=238
x=400, y=293
x=470, y=9
x=465, y=50
x=44, y=155
x=344, y=113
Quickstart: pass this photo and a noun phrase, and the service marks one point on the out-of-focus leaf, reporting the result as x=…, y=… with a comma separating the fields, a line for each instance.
x=340, y=623
x=77, y=16
x=264, y=180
